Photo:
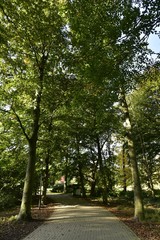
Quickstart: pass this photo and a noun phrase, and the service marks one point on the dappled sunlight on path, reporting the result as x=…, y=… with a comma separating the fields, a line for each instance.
x=78, y=219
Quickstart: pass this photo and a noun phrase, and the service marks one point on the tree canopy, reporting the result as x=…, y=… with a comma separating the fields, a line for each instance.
x=77, y=83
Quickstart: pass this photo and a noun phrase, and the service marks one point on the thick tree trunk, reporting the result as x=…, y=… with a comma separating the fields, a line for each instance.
x=25, y=209
x=103, y=174
x=47, y=161
x=138, y=202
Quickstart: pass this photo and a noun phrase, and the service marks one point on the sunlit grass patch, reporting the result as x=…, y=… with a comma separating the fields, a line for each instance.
x=152, y=214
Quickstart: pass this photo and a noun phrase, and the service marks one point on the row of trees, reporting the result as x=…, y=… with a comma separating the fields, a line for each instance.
x=76, y=82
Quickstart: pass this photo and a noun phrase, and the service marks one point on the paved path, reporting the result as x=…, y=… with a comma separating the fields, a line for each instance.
x=77, y=219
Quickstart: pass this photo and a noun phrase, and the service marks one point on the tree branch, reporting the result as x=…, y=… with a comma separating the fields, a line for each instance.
x=4, y=110
x=21, y=125
x=5, y=14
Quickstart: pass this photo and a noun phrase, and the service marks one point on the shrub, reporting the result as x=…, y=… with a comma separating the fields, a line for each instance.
x=7, y=201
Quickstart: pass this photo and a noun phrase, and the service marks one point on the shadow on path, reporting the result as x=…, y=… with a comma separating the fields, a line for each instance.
x=78, y=219
x=68, y=199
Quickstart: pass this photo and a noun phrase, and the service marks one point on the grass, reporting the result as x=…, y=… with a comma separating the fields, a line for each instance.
x=152, y=214
x=152, y=208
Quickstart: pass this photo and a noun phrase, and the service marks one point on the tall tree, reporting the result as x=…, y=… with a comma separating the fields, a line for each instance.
x=138, y=201
x=30, y=64
x=108, y=49
x=144, y=108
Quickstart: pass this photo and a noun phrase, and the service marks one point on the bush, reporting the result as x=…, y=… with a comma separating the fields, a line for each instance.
x=157, y=193
x=7, y=201
x=58, y=188
x=10, y=196
x=128, y=195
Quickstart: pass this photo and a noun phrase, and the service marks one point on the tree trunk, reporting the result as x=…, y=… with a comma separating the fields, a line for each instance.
x=81, y=180
x=124, y=170
x=103, y=174
x=138, y=202
x=80, y=167
x=109, y=167
x=66, y=180
x=94, y=175
x=93, y=186
x=25, y=209
x=45, y=179
x=147, y=168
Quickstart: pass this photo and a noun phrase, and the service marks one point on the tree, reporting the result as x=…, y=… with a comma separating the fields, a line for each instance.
x=30, y=64
x=12, y=163
x=144, y=112
x=68, y=62
x=123, y=176
x=107, y=42
x=138, y=201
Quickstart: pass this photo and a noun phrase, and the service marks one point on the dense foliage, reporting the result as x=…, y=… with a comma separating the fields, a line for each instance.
x=79, y=97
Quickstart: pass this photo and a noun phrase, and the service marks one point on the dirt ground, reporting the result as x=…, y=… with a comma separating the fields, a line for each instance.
x=10, y=229
x=144, y=230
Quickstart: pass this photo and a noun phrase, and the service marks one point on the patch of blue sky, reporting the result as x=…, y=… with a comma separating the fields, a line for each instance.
x=154, y=41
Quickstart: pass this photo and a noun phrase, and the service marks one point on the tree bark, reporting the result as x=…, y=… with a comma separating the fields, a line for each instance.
x=25, y=209
x=45, y=179
x=124, y=170
x=138, y=201
x=94, y=175
x=80, y=168
x=93, y=187
x=81, y=180
x=103, y=174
